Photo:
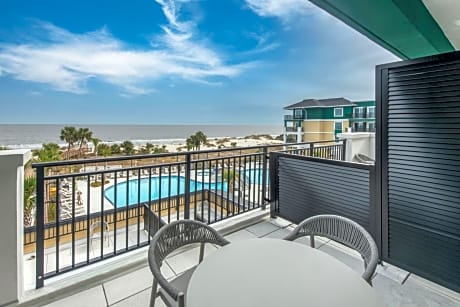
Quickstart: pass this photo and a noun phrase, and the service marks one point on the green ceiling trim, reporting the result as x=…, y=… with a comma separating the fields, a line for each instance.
x=404, y=27
x=421, y=18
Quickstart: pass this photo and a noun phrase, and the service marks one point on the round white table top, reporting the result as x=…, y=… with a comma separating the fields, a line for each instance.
x=274, y=272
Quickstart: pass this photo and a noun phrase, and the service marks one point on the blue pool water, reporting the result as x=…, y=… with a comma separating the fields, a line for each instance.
x=254, y=175
x=168, y=189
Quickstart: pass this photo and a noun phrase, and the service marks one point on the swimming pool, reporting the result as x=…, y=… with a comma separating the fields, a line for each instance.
x=254, y=175
x=170, y=186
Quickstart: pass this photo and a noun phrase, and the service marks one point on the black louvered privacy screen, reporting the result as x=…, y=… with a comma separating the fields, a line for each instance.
x=418, y=158
x=303, y=187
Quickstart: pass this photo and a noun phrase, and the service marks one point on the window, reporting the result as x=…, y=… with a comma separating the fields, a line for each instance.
x=371, y=112
x=338, y=126
x=371, y=127
x=298, y=113
x=359, y=127
x=358, y=112
x=338, y=112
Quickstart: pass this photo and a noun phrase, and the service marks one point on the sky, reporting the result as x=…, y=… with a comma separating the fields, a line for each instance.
x=175, y=61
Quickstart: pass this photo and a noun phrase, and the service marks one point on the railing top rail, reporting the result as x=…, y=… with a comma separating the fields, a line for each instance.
x=368, y=167
x=162, y=155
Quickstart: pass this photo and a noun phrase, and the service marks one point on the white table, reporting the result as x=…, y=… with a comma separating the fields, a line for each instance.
x=273, y=272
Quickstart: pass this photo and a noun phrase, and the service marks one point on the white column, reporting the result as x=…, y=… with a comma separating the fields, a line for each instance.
x=11, y=223
x=299, y=134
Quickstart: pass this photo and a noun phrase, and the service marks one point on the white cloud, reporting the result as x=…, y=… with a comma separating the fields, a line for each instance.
x=67, y=61
x=280, y=8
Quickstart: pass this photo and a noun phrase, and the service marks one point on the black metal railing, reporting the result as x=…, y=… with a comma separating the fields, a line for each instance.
x=291, y=129
x=94, y=209
x=363, y=114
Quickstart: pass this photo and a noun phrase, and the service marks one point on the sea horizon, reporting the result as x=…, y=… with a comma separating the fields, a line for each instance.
x=32, y=136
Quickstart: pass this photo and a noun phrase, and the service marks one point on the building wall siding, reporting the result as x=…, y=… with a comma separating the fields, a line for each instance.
x=328, y=113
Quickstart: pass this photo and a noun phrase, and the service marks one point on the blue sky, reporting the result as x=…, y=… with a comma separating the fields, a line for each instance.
x=175, y=62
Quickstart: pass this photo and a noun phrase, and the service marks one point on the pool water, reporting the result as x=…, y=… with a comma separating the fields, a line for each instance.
x=170, y=186
x=254, y=175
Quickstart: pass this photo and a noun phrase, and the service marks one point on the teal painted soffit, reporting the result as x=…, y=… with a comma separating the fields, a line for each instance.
x=404, y=27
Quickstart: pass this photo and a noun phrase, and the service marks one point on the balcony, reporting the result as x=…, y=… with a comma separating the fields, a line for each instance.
x=293, y=117
x=66, y=246
x=82, y=200
x=408, y=201
x=364, y=115
x=291, y=129
x=396, y=287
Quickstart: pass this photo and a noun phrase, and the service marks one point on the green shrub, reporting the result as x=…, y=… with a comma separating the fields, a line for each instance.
x=96, y=184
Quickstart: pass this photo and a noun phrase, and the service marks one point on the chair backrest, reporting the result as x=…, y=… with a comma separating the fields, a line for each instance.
x=173, y=236
x=96, y=225
x=344, y=231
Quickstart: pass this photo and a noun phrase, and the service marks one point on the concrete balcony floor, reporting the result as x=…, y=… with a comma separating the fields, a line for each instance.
x=395, y=286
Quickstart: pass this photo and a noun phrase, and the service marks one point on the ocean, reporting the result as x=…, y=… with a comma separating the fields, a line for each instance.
x=33, y=136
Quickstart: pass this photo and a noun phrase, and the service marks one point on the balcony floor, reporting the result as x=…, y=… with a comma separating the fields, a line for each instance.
x=395, y=286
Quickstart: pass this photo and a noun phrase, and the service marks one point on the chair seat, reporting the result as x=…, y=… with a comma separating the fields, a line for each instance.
x=181, y=283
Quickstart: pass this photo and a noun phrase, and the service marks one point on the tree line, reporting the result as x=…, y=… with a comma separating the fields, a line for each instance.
x=77, y=139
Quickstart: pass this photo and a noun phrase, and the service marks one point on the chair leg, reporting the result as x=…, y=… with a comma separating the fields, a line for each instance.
x=153, y=295
x=181, y=300
x=201, y=252
x=312, y=241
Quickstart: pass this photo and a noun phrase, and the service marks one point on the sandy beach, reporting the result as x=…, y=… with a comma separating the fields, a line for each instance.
x=224, y=142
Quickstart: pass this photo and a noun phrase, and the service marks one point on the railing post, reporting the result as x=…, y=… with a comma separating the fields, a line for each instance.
x=311, y=149
x=188, y=162
x=273, y=166
x=344, y=147
x=264, y=176
x=40, y=228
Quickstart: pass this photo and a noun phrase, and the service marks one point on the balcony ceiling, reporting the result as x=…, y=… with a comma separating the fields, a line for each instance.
x=407, y=28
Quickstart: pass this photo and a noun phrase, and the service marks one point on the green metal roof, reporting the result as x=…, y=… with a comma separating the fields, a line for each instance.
x=407, y=28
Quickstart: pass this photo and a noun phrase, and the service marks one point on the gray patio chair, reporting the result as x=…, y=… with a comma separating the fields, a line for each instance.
x=344, y=231
x=169, y=238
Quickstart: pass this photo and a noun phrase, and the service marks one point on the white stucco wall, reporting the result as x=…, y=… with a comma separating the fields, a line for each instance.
x=11, y=223
x=359, y=142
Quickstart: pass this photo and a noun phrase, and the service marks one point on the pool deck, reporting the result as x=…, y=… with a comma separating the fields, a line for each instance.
x=95, y=199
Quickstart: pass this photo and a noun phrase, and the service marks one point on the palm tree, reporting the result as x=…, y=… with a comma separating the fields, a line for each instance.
x=95, y=142
x=230, y=176
x=115, y=148
x=128, y=147
x=49, y=152
x=69, y=134
x=104, y=150
x=29, y=200
x=194, y=141
x=149, y=147
x=201, y=138
x=83, y=136
x=190, y=142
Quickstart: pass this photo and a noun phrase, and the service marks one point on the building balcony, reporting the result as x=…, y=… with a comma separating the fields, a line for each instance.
x=363, y=115
x=292, y=129
x=65, y=253
x=363, y=129
x=396, y=287
x=293, y=117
